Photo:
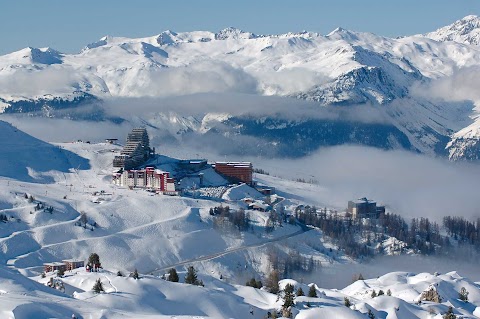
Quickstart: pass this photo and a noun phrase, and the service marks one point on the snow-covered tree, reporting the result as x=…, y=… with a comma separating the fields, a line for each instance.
x=191, y=277
x=135, y=274
x=312, y=292
x=254, y=283
x=83, y=219
x=463, y=294
x=449, y=314
x=288, y=296
x=98, y=286
x=94, y=259
x=272, y=282
x=300, y=292
x=431, y=295
x=173, y=275
x=347, y=302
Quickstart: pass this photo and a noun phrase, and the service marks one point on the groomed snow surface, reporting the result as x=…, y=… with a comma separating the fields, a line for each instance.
x=136, y=229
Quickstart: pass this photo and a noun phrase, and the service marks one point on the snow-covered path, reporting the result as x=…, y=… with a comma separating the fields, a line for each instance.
x=233, y=250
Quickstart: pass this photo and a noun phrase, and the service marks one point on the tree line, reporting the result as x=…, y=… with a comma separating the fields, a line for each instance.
x=360, y=237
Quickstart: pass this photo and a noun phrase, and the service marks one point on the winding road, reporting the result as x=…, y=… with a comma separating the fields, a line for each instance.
x=303, y=230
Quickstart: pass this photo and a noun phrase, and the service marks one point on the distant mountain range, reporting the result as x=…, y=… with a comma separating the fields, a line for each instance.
x=338, y=70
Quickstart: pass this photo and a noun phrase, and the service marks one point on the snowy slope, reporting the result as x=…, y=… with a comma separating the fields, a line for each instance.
x=135, y=229
x=126, y=222
x=152, y=297
x=26, y=158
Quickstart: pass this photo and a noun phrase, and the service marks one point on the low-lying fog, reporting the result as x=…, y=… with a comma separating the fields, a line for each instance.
x=410, y=184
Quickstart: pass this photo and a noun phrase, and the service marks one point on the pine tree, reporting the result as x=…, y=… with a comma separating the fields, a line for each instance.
x=463, y=294
x=191, y=276
x=347, y=302
x=172, y=275
x=300, y=292
x=60, y=272
x=94, y=259
x=380, y=292
x=312, y=292
x=119, y=274
x=449, y=314
x=272, y=282
x=83, y=219
x=135, y=274
x=389, y=292
x=288, y=299
x=98, y=287
x=374, y=294
x=371, y=315
x=254, y=283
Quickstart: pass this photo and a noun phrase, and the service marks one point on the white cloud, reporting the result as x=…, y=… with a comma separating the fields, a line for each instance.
x=462, y=85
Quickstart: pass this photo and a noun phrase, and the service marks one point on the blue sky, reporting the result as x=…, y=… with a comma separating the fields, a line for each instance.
x=68, y=25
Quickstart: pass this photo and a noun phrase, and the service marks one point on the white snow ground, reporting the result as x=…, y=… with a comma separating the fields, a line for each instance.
x=136, y=229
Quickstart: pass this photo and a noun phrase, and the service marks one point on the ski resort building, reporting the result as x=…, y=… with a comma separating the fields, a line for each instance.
x=364, y=208
x=71, y=264
x=49, y=267
x=68, y=264
x=136, y=150
x=236, y=171
x=149, y=178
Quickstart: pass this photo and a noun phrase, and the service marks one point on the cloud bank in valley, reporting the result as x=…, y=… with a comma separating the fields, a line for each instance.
x=241, y=104
x=409, y=184
x=462, y=85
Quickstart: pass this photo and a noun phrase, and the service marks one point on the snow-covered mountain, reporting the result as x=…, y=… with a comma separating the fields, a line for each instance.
x=466, y=30
x=337, y=70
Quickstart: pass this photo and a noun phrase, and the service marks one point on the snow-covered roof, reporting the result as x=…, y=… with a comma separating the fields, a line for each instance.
x=236, y=164
x=72, y=261
x=56, y=263
x=364, y=200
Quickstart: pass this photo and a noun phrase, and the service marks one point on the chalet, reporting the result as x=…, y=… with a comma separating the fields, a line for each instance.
x=149, y=177
x=364, y=208
x=236, y=171
x=248, y=200
x=257, y=205
x=265, y=190
x=71, y=264
x=49, y=267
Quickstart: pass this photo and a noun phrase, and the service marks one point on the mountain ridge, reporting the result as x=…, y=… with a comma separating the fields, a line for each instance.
x=342, y=68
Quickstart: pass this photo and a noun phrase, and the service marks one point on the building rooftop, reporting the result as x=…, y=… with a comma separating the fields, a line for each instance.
x=235, y=164
x=56, y=263
x=364, y=200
